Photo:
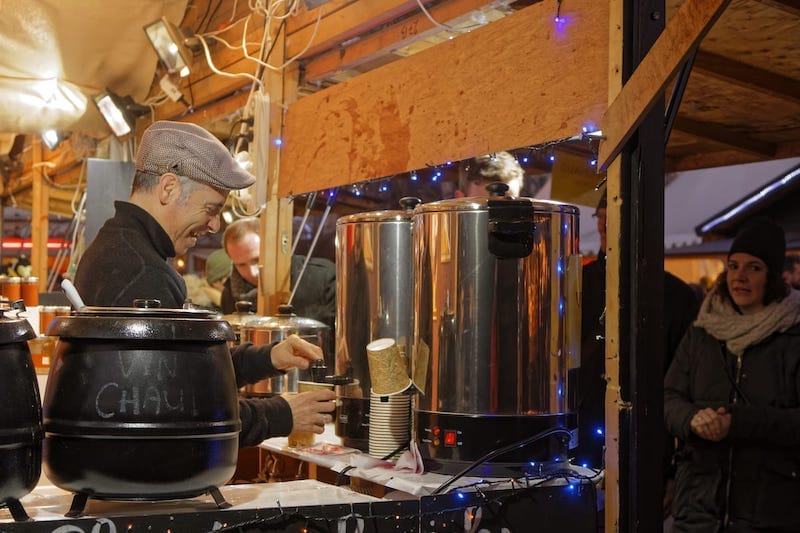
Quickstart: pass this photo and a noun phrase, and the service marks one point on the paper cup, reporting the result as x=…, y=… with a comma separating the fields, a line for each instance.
x=388, y=370
x=302, y=439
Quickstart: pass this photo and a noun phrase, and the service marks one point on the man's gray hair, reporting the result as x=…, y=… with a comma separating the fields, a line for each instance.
x=144, y=181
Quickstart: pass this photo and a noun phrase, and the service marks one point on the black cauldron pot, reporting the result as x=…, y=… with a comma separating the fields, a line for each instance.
x=140, y=404
x=20, y=415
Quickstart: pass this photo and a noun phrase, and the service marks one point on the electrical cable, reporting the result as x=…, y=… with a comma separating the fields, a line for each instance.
x=312, y=197
x=445, y=26
x=500, y=451
x=331, y=199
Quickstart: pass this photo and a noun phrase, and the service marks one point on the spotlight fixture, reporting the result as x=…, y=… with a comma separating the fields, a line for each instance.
x=174, y=48
x=52, y=138
x=120, y=112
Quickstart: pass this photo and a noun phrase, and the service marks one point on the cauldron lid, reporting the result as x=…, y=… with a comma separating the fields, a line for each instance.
x=14, y=328
x=142, y=323
x=143, y=312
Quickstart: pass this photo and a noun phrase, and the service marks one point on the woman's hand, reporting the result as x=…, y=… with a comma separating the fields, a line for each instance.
x=710, y=424
x=294, y=352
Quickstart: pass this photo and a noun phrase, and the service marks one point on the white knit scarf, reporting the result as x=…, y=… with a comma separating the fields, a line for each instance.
x=723, y=322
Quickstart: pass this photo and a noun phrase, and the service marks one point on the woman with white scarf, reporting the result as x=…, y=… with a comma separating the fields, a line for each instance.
x=732, y=397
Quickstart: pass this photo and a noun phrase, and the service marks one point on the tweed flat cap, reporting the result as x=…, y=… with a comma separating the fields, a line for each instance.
x=189, y=150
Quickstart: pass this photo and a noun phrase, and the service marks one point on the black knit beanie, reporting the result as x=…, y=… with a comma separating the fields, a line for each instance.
x=764, y=239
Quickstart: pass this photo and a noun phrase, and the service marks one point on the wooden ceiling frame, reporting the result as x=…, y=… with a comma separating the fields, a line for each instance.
x=386, y=40
x=682, y=35
x=433, y=106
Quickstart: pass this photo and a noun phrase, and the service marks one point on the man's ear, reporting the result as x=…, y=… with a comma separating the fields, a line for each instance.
x=169, y=188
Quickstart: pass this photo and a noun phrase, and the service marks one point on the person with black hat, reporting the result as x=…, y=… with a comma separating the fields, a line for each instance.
x=732, y=396
x=183, y=178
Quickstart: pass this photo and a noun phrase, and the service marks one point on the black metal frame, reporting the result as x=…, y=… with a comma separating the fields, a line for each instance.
x=641, y=291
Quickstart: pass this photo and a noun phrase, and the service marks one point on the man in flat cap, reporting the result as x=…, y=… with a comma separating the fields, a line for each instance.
x=183, y=177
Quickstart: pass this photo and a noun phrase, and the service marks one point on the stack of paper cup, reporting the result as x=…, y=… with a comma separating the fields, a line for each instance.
x=389, y=427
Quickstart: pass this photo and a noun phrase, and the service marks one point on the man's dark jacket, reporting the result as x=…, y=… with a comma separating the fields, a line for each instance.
x=680, y=309
x=128, y=260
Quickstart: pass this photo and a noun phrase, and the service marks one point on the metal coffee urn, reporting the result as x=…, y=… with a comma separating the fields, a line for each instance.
x=373, y=290
x=496, y=332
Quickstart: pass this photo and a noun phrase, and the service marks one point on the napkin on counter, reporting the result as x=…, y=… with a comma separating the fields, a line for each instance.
x=409, y=462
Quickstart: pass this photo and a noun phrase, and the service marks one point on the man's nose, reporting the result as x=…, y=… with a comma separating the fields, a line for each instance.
x=214, y=224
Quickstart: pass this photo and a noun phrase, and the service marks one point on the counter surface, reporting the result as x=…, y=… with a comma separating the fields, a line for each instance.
x=47, y=505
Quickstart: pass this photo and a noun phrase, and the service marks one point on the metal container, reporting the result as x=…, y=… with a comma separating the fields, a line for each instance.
x=140, y=404
x=497, y=329
x=20, y=415
x=269, y=329
x=374, y=294
x=244, y=313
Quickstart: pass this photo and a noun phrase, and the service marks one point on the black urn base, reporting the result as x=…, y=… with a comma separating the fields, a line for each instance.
x=450, y=443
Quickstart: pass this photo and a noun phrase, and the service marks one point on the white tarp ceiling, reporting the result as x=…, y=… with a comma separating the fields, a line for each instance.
x=55, y=55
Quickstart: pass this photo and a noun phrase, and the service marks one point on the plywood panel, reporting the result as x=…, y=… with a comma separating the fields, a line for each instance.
x=519, y=81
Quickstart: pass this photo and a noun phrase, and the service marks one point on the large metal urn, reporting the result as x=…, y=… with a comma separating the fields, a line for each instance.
x=496, y=331
x=140, y=404
x=374, y=293
x=269, y=329
x=20, y=414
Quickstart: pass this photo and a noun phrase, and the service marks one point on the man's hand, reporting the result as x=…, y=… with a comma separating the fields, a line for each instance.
x=710, y=424
x=294, y=352
x=311, y=410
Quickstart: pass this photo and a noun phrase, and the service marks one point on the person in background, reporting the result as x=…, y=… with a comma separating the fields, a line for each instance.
x=218, y=270
x=476, y=173
x=316, y=295
x=183, y=178
x=680, y=309
x=206, y=292
x=791, y=271
x=732, y=395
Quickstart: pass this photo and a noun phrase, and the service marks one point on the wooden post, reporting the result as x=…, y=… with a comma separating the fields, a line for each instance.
x=276, y=219
x=613, y=179
x=39, y=216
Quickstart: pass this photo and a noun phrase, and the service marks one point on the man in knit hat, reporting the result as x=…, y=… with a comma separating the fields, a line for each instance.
x=218, y=270
x=183, y=178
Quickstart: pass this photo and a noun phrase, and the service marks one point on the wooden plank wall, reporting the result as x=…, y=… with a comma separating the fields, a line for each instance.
x=520, y=81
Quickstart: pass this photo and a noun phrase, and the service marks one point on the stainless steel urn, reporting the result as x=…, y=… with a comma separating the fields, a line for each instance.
x=269, y=329
x=374, y=293
x=496, y=331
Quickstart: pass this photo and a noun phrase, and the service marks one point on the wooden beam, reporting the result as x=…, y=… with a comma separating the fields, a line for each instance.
x=346, y=23
x=790, y=6
x=39, y=217
x=788, y=149
x=308, y=17
x=385, y=41
x=431, y=107
x=708, y=159
x=683, y=33
x=724, y=136
x=747, y=76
